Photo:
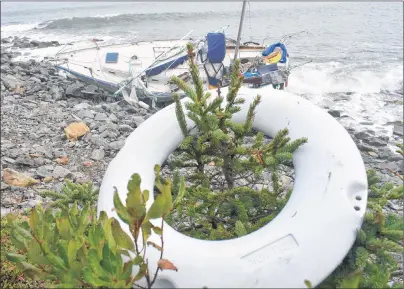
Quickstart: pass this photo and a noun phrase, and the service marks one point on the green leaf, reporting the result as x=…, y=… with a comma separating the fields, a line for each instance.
x=23, y=232
x=53, y=259
x=127, y=270
x=91, y=279
x=63, y=226
x=108, y=234
x=240, y=229
x=18, y=241
x=35, y=254
x=14, y=257
x=138, y=260
x=163, y=203
x=109, y=260
x=62, y=252
x=181, y=192
x=95, y=266
x=146, y=230
x=134, y=201
x=29, y=270
x=141, y=273
x=157, y=230
x=72, y=249
x=120, y=208
x=84, y=220
x=121, y=238
x=308, y=284
x=34, y=222
x=103, y=217
x=352, y=281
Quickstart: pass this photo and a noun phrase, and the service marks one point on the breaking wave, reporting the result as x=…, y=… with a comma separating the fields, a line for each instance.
x=121, y=20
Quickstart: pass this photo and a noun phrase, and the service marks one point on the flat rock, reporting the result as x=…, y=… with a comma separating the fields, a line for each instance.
x=80, y=106
x=98, y=154
x=138, y=120
x=44, y=171
x=106, y=126
x=398, y=130
x=116, y=145
x=335, y=113
x=61, y=172
x=101, y=117
x=85, y=114
x=10, y=81
x=25, y=160
x=74, y=90
x=125, y=128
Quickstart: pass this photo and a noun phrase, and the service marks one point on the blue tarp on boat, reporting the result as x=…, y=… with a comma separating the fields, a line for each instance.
x=216, y=47
x=271, y=49
x=261, y=70
x=170, y=64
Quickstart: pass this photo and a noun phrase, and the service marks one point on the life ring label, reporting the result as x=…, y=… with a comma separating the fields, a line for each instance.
x=274, y=251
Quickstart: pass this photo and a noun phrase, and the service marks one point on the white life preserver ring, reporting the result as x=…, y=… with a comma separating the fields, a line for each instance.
x=307, y=240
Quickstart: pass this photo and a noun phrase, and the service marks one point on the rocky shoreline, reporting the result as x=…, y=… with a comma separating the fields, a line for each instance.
x=38, y=104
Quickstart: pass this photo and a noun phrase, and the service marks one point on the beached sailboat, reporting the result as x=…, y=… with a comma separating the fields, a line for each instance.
x=141, y=71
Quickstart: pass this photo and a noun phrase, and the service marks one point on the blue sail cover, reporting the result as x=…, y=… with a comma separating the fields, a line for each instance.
x=271, y=49
x=216, y=47
x=162, y=67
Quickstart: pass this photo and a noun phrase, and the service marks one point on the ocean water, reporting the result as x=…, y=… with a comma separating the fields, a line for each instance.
x=356, y=49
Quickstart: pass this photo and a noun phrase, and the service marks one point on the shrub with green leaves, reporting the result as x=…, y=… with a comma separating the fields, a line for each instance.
x=78, y=250
x=226, y=196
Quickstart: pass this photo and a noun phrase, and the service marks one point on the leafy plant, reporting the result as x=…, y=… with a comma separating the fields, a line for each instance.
x=71, y=193
x=77, y=250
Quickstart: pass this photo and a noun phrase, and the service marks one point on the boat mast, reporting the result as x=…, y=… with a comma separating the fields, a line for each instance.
x=240, y=27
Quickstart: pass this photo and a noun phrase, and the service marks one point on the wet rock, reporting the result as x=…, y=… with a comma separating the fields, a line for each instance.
x=101, y=117
x=98, y=141
x=125, y=128
x=56, y=92
x=8, y=160
x=376, y=141
x=335, y=113
x=138, y=120
x=365, y=148
x=82, y=106
x=116, y=145
x=113, y=117
x=362, y=135
x=74, y=90
x=398, y=130
x=61, y=172
x=98, y=155
x=108, y=125
x=10, y=82
x=390, y=166
x=25, y=160
x=85, y=114
x=109, y=134
x=80, y=178
x=44, y=171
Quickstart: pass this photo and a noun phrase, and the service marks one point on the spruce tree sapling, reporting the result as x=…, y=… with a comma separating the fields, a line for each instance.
x=222, y=169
